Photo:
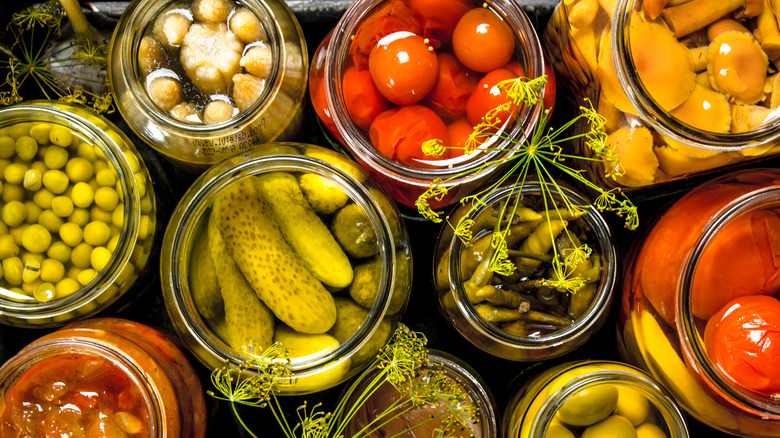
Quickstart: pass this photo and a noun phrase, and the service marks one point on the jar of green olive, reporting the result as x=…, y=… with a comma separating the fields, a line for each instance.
x=199, y=80
x=78, y=214
x=288, y=243
x=585, y=399
x=553, y=289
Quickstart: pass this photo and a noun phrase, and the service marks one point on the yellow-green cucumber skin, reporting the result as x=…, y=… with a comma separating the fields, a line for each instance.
x=269, y=264
x=204, y=286
x=308, y=236
x=247, y=318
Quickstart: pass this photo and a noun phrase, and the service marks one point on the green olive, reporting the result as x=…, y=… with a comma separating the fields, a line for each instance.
x=649, y=430
x=632, y=405
x=613, y=426
x=558, y=430
x=589, y=406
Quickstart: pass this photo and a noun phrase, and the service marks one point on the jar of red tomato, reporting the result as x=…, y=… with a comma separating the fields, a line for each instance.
x=101, y=377
x=686, y=87
x=701, y=302
x=395, y=73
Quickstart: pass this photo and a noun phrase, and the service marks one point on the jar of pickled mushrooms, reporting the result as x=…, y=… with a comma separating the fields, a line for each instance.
x=200, y=80
x=685, y=86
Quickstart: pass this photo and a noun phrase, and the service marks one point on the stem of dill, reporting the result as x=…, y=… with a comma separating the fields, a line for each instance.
x=241, y=420
x=276, y=409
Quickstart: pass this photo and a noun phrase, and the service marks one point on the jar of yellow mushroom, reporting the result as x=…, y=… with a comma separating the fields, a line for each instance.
x=586, y=399
x=685, y=86
x=79, y=214
x=202, y=79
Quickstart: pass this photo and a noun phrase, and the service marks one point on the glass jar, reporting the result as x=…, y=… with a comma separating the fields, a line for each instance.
x=524, y=315
x=193, y=108
x=483, y=424
x=383, y=126
x=332, y=295
x=79, y=214
x=592, y=398
x=102, y=376
x=705, y=107
x=700, y=301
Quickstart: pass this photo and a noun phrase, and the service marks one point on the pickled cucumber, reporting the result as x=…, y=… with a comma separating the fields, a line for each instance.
x=355, y=232
x=270, y=266
x=366, y=285
x=308, y=236
x=349, y=317
x=246, y=317
x=204, y=285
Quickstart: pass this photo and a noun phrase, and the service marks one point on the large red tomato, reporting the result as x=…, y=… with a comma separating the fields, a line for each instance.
x=364, y=102
x=399, y=133
x=482, y=41
x=392, y=16
x=439, y=17
x=404, y=67
x=453, y=88
x=488, y=96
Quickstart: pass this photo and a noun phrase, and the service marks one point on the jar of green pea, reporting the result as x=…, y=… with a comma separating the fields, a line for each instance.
x=77, y=214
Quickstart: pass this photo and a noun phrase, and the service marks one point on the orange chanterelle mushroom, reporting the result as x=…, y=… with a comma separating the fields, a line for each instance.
x=737, y=66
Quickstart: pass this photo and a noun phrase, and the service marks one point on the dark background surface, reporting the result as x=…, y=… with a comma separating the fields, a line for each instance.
x=144, y=303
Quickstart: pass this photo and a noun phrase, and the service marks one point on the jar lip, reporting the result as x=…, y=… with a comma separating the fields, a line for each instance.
x=356, y=142
x=578, y=330
x=691, y=342
x=193, y=206
x=660, y=119
x=70, y=115
x=49, y=347
x=629, y=376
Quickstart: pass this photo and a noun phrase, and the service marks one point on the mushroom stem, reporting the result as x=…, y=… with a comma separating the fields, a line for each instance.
x=694, y=15
x=78, y=20
x=653, y=8
x=767, y=32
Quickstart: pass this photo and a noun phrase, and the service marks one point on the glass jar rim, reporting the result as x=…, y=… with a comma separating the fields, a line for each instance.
x=602, y=297
x=661, y=120
x=348, y=130
x=194, y=204
x=691, y=342
x=629, y=376
x=55, y=112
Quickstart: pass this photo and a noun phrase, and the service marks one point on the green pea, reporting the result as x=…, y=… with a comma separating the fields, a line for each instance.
x=86, y=151
x=18, y=130
x=50, y=221
x=59, y=250
x=8, y=247
x=14, y=192
x=98, y=214
x=40, y=132
x=40, y=166
x=33, y=179
x=144, y=227
x=112, y=243
x=45, y=292
x=36, y=238
x=14, y=173
x=56, y=181
x=3, y=164
x=80, y=255
x=105, y=177
x=71, y=233
x=66, y=286
x=86, y=276
x=100, y=257
x=16, y=232
x=52, y=270
x=55, y=157
x=79, y=169
x=82, y=195
x=106, y=198
x=132, y=160
x=12, y=270
x=33, y=211
x=7, y=147
x=30, y=256
x=146, y=205
x=32, y=270
x=118, y=217
x=26, y=147
x=62, y=206
x=3, y=229
x=14, y=213
x=61, y=136
x=97, y=233
x=80, y=217
x=43, y=198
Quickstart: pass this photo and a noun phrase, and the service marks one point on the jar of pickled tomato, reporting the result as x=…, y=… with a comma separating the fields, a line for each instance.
x=592, y=399
x=101, y=377
x=476, y=412
x=199, y=80
x=288, y=243
x=393, y=74
x=686, y=87
x=701, y=299
x=79, y=214
x=524, y=314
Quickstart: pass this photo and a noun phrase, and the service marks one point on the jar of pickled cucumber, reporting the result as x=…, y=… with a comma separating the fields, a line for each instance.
x=701, y=299
x=79, y=214
x=288, y=243
x=394, y=74
x=101, y=377
x=557, y=293
x=199, y=80
x=592, y=399
x=686, y=87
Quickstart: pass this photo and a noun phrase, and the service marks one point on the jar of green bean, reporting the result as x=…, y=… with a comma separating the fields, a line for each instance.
x=78, y=214
x=528, y=274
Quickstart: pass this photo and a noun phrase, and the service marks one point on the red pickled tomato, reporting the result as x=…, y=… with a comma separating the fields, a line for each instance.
x=404, y=68
x=482, y=41
x=743, y=259
x=439, y=17
x=399, y=133
x=453, y=88
x=392, y=16
x=459, y=131
x=364, y=101
x=743, y=340
x=488, y=95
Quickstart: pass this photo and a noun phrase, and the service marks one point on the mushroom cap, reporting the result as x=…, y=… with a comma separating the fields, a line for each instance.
x=737, y=66
x=705, y=109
